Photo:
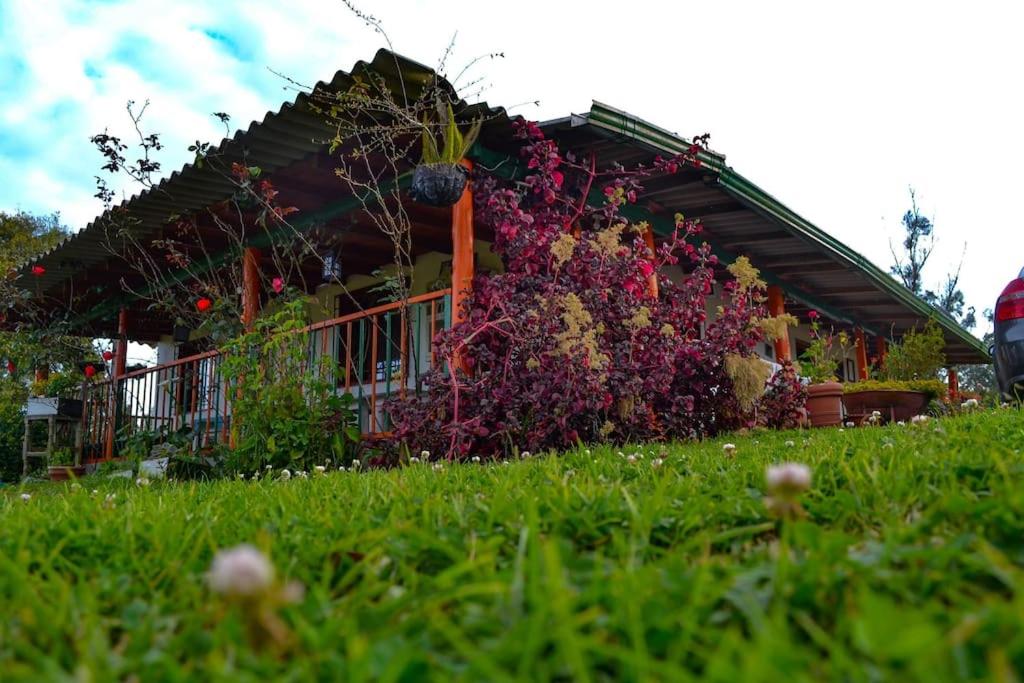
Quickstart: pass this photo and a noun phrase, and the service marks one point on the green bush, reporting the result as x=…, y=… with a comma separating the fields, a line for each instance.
x=918, y=356
x=12, y=429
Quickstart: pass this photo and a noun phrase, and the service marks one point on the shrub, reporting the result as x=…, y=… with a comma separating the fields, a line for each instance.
x=783, y=404
x=569, y=344
x=12, y=429
x=285, y=411
x=918, y=356
x=934, y=388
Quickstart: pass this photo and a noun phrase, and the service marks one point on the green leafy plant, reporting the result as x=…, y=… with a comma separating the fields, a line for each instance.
x=450, y=145
x=286, y=412
x=818, y=363
x=61, y=457
x=918, y=356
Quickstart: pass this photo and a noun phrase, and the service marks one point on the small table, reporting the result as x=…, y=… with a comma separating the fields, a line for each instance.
x=60, y=418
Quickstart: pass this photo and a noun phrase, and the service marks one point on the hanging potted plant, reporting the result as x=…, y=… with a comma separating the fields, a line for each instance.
x=818, y=364
x=440, y=177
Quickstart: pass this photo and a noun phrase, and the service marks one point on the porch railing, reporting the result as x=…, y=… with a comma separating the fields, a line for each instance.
x=376, y=352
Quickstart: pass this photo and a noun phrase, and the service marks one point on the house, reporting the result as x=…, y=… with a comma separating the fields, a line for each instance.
x=806, y=268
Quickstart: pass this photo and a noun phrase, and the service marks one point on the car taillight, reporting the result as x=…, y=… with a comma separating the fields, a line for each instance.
x=1010, y=305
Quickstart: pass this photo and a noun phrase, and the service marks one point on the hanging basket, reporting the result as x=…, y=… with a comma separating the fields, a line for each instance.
x=438, y=184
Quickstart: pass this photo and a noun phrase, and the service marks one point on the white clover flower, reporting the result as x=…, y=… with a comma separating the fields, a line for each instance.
x=631, y=458
x=242, y=571
x=356, y=464
x=969, y=403
x=425, y=454
x=94, y=492
x=850, y=424
x=142, y=481
x=918, y=419
x=414, y=460
x=841, y=429
x=586, y=452
x=285, y=475
x=524, y=455
x=438, y=466
x=75, y=486
x=268, y=467
x=240, y=475
x=789, y=443
x=26, y=497
x=110, y=500
x=475, y=458
x=319, y=469
x=901, y=423
x=788, y=479
x=729, y=449
x=656, y=463
x=301, y=474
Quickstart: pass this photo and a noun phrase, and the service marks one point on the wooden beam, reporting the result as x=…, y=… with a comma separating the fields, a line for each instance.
x=250, y=286
x=777, y=307
x=862, y=354
x=462, y=249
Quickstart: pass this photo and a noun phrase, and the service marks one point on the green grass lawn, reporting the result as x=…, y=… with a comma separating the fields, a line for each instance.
x=909, y=566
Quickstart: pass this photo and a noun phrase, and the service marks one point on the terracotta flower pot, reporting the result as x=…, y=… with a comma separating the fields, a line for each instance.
x=825, y=404
x=64, y=472
x=895, y=406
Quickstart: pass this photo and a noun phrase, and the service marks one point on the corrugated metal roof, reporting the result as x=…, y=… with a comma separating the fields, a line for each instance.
x=817, y=270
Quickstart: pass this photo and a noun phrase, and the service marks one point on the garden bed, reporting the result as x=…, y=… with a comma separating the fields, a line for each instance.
x=586, y=566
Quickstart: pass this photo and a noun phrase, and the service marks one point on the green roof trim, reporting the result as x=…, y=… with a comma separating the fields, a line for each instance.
x=620, y=122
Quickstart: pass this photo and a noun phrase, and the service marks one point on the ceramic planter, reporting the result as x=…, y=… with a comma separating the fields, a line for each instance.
x=825, y=404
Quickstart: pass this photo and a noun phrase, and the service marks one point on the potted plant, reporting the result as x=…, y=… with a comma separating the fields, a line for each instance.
x=63, y=466
x=181, y=332
x=905, y=383
x=59, y=394
x=818, y=365
x=440, y=177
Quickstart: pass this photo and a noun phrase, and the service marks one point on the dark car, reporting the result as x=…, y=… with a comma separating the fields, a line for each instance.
x=1008, y=349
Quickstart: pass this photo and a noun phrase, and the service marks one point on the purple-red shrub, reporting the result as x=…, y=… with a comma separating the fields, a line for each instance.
x=783, y=404
x=568, y=344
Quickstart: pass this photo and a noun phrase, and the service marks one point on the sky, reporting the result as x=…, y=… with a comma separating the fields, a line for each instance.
x=835, y=109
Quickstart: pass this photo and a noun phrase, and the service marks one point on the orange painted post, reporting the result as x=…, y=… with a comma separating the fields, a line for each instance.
x=462, y=249
x=862, y=355
x=881, y=349
x=777, y=307
x=462, y=253
x=652, y=280
x=250, y=286
x=954, y=385
x=120, y=362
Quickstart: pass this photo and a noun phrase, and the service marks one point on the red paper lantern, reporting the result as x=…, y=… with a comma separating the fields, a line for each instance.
x=38, y=270
x=203, y=305
x=90, y=371
x=107, y=355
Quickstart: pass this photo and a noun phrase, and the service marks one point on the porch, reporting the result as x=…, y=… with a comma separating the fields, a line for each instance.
x=371, y=355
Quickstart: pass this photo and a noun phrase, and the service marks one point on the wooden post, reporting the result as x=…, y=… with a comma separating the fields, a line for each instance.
x=250, y=286
x=120, y=363
x=652, y=281
x=862, y=355
x=777, y=307
x=881, y=349
x=954, y=385
x=462, y=249
x=42, y=373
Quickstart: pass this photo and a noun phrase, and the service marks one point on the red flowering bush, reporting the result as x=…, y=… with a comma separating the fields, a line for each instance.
x=570, y=344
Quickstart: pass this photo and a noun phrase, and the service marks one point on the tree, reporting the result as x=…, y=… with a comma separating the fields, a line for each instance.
x=908, y=266
x=918, y=244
